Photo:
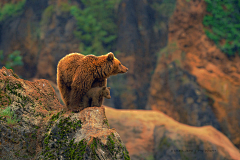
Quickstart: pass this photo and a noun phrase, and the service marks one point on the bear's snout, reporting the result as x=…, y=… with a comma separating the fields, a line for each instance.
x=122, y=69
x=126, y=69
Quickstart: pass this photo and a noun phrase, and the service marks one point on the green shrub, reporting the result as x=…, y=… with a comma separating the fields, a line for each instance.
x=222, y=24
x=96, y=26
x=12, y=120
x=10, y=10
x=10, y=116
x=164, y=8
x=6, y=112
x=1, y=56
x=163, y=11
x=51, y=9
x=13, y=59
x=64, y=7
x=47, y=14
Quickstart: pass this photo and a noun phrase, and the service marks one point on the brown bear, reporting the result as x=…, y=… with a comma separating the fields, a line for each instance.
x=77, y=74
x=94, y=97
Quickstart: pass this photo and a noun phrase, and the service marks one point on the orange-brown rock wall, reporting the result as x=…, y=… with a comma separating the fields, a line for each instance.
x=216, y=75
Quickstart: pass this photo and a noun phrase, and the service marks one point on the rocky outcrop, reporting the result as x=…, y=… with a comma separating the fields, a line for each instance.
x=25, y=107
x=197, y=143
x=179, y=95
x=217, y=76
x=154, y=135
x=34, y=125
x=82, y=135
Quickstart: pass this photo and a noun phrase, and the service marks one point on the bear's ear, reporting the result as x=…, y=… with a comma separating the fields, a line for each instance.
x=110, y=56
x=109, y=88
x=104, y=87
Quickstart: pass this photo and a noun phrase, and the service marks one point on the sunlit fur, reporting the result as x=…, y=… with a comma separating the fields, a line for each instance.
x=76, y=74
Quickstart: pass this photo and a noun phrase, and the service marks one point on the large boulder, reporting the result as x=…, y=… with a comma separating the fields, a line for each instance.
x=82, y=135
x=154, y=135
x=34, y=125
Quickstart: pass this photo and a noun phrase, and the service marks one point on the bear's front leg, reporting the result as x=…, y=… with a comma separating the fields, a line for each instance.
x=100, y=101
x=99, y=83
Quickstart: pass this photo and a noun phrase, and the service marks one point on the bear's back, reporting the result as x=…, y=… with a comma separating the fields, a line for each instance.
x=67, y=67
x=73, y=57
x=70, y=60
x=77, y=59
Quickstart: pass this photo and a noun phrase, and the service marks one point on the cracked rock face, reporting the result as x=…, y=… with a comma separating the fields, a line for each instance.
x=82, y=135
x=34, y=125
x=94, y=123
x=215, y=74
x=24, y=108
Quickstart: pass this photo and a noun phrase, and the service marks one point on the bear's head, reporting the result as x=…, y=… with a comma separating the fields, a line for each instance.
x=106, y=92
x=117, y=66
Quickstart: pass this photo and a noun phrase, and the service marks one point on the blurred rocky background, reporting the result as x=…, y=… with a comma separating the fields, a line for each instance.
x=182, y=55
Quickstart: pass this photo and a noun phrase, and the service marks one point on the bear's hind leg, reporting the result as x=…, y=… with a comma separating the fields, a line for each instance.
x=75, y=101
x=64, y=90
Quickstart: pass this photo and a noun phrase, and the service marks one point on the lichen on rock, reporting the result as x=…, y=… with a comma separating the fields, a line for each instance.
x=44, y=129
x=82, y=135
x=27, y=105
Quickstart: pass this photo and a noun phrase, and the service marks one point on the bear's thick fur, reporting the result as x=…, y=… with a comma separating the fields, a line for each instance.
x=94, y=97
x=77, y=74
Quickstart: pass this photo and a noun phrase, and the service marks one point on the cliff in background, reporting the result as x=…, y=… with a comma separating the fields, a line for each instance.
x=44, y=32
x=42, y=37
x=150, y=135
x=194, y=82
x=173, y=66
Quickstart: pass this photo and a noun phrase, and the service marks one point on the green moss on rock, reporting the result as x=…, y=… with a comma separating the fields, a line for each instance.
x=59, y=140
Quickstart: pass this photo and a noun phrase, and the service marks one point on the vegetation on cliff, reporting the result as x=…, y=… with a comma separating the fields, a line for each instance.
x=13, y=59
x=96, y=23
x=10, y=10
x=96, y=26
x=223, y=24
x=164, y=10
